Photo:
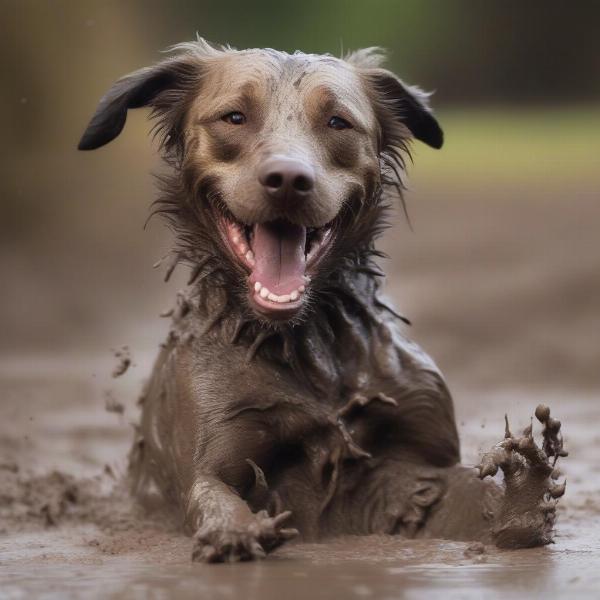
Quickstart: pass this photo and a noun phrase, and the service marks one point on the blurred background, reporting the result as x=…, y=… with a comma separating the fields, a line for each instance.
x=500, y=274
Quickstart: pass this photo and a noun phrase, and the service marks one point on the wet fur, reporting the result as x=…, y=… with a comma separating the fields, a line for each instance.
x=335, y=416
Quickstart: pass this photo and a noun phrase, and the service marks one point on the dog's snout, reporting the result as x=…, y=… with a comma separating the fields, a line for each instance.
x=286, y=178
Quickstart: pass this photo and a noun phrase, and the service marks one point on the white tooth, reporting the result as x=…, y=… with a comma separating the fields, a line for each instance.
x=243, y=248
x=273, y=297
x=306, y=278
x=301, y=288
x=257, y=286
x=235, y=239
x=294, y=295
x=264, y=292
x=285, y=298
x=249, y=255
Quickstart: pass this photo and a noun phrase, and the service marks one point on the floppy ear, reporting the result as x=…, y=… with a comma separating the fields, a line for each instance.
x=135, y=90
x=409, y=105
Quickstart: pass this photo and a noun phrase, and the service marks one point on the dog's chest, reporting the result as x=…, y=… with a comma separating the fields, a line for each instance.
x=264, y=418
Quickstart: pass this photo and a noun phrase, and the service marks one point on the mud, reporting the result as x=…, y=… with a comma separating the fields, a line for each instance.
x=124, y=361
x=75, y=531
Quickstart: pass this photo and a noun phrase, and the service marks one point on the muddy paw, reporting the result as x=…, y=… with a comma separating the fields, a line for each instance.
x=526, y=514
x=251, y=541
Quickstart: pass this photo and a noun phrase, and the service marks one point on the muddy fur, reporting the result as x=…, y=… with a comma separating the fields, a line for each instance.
x=329, y=422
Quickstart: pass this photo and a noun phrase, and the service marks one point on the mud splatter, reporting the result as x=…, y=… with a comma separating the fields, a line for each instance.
x=27, y=500
x=123, y=356
x=112, y=405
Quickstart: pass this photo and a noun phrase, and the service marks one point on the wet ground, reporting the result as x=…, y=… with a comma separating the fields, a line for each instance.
x=75, y=533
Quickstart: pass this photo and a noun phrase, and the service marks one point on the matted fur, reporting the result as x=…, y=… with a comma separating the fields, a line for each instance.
x=332, y=413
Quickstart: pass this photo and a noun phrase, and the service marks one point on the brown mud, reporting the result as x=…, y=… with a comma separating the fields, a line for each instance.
x=75, y=532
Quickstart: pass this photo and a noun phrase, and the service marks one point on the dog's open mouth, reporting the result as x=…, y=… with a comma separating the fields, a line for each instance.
x=280, y=257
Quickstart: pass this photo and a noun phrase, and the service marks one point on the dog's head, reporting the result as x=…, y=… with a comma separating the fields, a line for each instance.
x=282, y=156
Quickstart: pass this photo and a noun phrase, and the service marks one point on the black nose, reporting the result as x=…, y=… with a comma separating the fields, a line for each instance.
x=286, y=179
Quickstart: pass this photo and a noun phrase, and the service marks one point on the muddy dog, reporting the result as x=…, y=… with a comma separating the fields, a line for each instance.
x=287, y=398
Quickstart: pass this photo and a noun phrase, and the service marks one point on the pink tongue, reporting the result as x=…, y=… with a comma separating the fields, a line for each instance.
x=279, y=254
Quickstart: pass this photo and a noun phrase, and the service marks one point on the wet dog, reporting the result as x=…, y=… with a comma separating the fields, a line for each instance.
x=287, y=399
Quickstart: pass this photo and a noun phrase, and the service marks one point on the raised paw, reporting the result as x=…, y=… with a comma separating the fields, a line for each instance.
x=526, y=512
x=250, y=541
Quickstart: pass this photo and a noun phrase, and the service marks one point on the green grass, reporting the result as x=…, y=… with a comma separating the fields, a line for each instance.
x=535, y=144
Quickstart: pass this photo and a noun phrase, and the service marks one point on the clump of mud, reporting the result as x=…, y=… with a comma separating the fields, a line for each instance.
x=27, y=501
x=32, y=502
x=124, y=361
x=112, y=405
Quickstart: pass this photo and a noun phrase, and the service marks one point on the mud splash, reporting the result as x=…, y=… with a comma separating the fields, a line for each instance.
x=75, y=532
x=77, y=559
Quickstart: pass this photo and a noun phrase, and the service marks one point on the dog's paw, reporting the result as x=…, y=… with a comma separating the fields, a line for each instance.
x=526, y=514
x=251, y=541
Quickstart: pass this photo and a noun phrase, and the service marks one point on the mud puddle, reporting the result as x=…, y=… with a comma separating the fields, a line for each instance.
x=60, y=565
x=69, y=530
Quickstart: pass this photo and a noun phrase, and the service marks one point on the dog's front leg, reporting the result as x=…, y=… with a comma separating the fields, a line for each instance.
x=226, y=530
x=519, y=512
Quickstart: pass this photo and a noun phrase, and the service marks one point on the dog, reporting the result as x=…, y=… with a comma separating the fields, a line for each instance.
x=287, y=400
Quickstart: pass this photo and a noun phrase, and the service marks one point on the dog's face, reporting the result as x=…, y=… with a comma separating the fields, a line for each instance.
x=275, y=148
x=285, y=141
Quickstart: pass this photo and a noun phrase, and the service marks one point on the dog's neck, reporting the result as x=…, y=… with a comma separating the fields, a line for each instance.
x=331, y=348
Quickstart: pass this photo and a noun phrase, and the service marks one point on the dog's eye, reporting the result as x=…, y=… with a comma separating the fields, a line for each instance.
x=338, y=123
x=235, y=118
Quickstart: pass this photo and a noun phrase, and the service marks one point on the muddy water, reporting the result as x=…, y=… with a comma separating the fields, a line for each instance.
x=350, y=568
x=75, y=533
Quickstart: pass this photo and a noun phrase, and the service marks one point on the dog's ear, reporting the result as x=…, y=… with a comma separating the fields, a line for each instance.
x=407, y=104
x=135, y=90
